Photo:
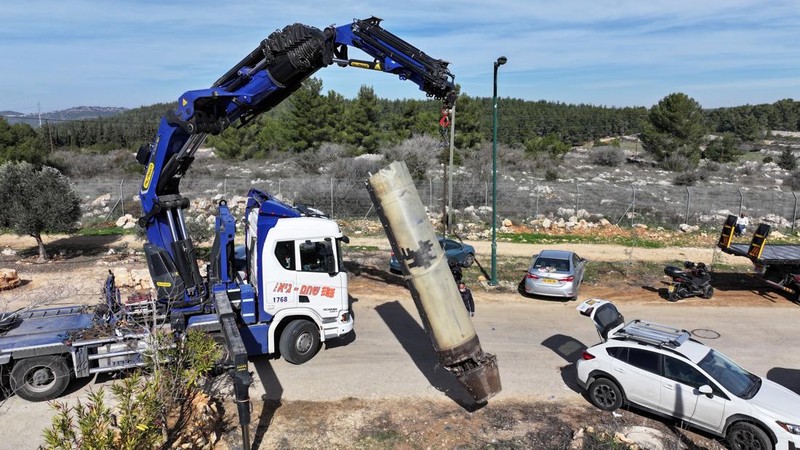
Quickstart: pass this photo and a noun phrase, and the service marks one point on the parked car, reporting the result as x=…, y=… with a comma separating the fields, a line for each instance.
x=458, y=254
x=555, y=273
x=663, y=370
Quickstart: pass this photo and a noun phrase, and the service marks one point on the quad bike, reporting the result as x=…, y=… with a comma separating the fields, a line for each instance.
x=694, y=279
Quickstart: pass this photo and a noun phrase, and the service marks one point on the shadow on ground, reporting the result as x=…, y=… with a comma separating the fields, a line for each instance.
x=570, y=350
x=788, y=378
x=417, y=344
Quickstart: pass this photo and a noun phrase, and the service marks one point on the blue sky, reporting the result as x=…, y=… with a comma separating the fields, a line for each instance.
x=60, y=54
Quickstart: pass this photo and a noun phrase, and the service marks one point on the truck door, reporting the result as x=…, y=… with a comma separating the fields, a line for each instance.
x=321, y=282
x=281, y=283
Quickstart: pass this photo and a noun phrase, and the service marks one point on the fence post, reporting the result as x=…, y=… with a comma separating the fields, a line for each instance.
x=331, y=197
x=577, y=197
x=537, y=199
x=741, y=201
x=688, y=202
x=430, y=193
x=794, y=213
x=122, y=195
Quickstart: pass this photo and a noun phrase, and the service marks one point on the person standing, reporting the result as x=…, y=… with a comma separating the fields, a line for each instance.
x=466, y=296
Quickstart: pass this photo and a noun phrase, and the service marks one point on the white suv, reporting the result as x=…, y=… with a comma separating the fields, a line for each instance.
x=663, y=370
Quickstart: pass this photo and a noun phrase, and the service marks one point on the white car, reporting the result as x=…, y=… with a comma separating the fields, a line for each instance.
x=663, y=370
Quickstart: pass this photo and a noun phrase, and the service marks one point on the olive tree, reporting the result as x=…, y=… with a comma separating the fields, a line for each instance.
x=35, y=201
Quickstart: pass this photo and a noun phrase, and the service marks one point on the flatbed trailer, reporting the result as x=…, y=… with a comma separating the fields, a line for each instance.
x=778, y=265
x=42, y=350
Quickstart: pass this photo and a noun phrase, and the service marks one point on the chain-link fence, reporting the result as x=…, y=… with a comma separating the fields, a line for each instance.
x=652, y=204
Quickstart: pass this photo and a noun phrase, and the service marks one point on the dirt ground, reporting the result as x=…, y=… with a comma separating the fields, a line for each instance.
x=80, y=265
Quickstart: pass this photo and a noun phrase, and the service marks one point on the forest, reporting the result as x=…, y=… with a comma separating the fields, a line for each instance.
x=364, y=124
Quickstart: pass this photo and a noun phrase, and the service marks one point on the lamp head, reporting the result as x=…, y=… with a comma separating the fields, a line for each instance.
x=500, y=61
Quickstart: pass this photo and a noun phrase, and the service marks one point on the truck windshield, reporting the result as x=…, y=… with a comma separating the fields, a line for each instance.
x=730, y=375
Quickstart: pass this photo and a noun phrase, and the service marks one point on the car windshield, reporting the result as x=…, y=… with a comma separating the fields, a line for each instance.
x=735, y=379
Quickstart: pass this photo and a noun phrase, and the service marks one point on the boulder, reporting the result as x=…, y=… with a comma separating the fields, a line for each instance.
x=141, y=279
x=9, y=279
x=123, y=278
x=102, y=200
x=507, y=223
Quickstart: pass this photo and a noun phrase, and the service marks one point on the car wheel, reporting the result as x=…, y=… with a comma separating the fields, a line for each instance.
x=40, y=379
x=708, y=292
x=605, y=394
x=299, y=341
x=469, y=260
x=746, y=436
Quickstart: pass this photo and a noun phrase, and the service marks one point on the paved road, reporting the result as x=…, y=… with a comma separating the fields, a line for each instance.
x=391, y=356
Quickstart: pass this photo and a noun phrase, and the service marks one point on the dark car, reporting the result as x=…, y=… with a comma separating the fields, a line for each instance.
x=458, y=254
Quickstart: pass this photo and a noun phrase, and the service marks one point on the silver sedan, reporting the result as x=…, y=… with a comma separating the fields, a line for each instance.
x=555, y=273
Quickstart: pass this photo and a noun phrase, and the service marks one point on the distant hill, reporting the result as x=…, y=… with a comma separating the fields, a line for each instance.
x=76, y=113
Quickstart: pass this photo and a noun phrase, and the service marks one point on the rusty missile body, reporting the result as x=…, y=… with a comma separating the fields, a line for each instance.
x=431, y=283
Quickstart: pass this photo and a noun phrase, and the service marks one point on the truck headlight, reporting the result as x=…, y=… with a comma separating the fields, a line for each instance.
x=794, y=429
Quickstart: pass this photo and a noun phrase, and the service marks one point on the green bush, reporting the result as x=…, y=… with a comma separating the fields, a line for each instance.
x=607, y=156
x=152, y=409
x=688, y=178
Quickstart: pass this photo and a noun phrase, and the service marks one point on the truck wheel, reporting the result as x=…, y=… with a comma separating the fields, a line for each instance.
x=40, y=379
x=605, y=394
x=746, y=436
x=299, y=341
x=708, y=292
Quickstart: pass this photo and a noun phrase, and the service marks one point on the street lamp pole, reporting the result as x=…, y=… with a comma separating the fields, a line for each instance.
x=500, y=61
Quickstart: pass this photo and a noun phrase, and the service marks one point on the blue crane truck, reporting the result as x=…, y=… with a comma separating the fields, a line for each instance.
x=286, y=293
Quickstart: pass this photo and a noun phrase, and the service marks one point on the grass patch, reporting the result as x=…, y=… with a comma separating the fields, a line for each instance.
x=605, y=271
x=379, y=439
x=541, y=238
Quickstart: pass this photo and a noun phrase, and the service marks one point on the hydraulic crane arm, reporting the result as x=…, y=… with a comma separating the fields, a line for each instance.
x=259, y=82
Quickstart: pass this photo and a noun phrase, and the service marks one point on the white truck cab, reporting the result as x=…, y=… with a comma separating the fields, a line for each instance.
x=296, y=269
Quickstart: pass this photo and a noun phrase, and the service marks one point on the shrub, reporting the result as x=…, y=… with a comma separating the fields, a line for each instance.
x=551, y=174
x=793, y=181
x=675, y=163
x=767, y=160
x=607, y=156
x=419, y=153
x=358, y=168
x=688, y=178
x=787, y=161
x=160, y=410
